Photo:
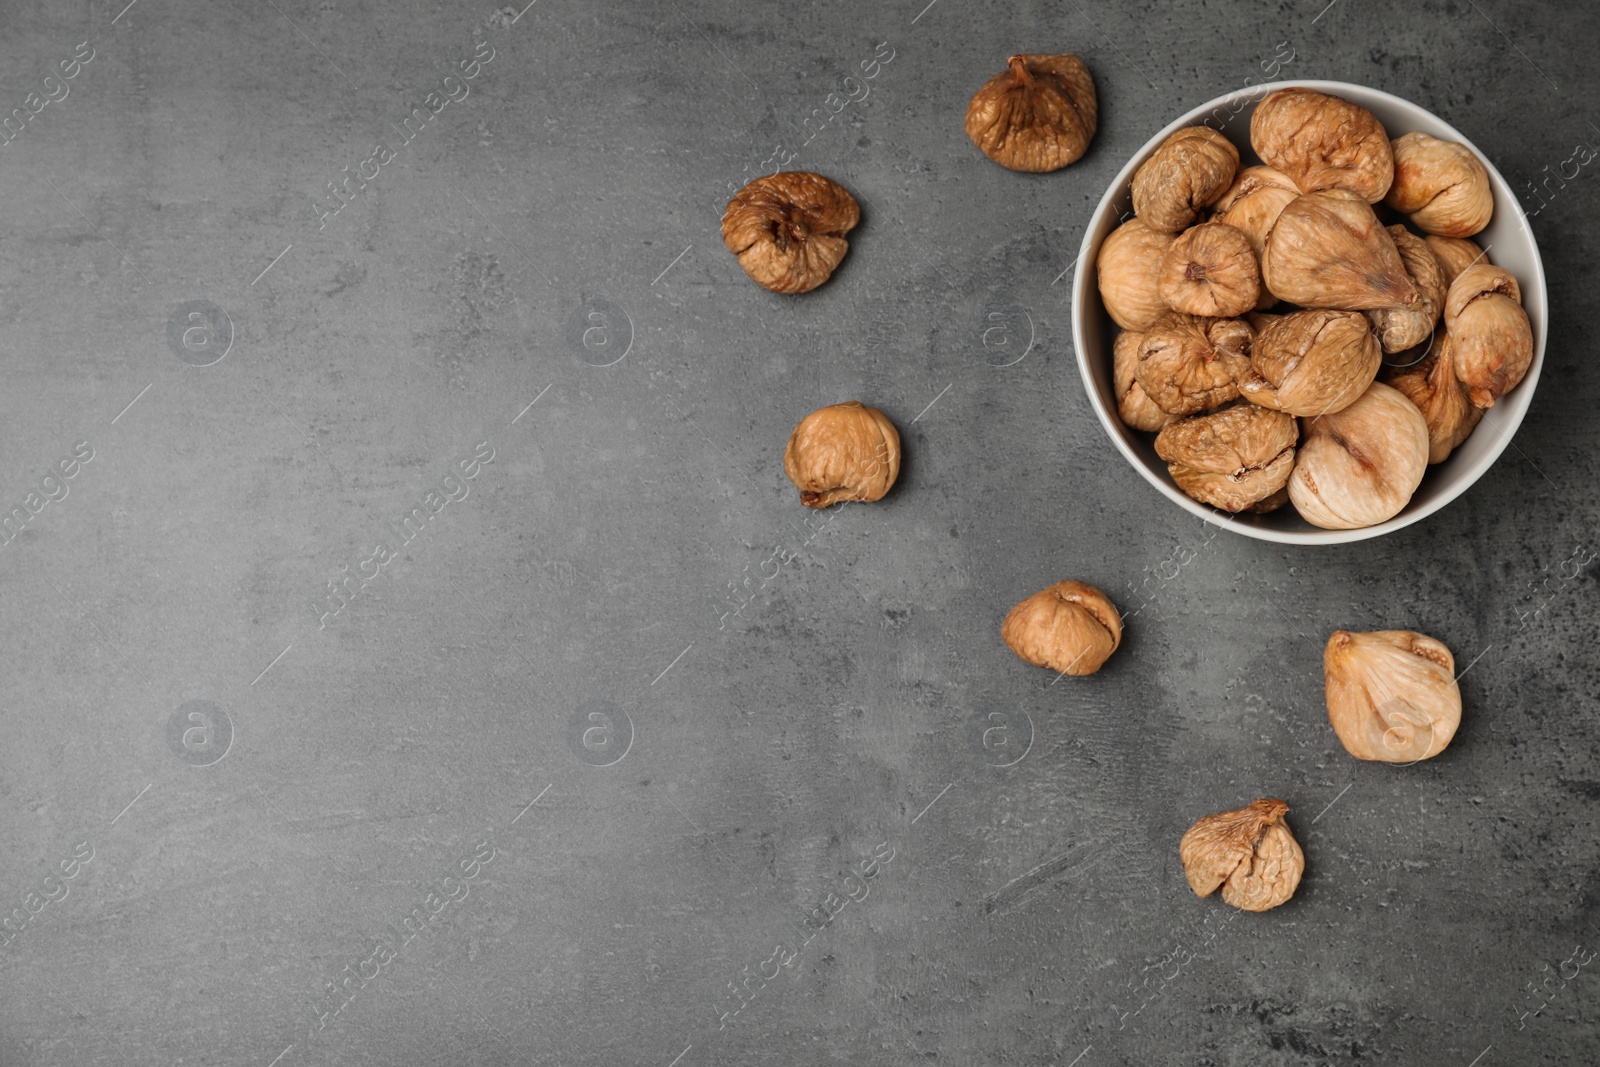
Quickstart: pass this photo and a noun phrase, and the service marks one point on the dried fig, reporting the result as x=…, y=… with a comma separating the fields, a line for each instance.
x=1442, y=185
x=1232, y=459
x=1252, y=205
x=1128, y=268
x=1189, y=171
x=788, y=229
x=1210, y=270
x=1136, y=409
x=1330, y=251
x=1072, y=628
x=1359, y=466
x=1455, y=254
x=1189, y=364
x=1038, y=115
x=1400, y=328
x=1431, y=384
x=1249, y=852
x=1491, y=338
x=1392, y=694
x=845, y=451
x=1323, y=142
x=1312, y=362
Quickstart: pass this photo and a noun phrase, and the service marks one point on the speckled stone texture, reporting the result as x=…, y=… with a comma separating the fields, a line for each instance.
x=431, y=664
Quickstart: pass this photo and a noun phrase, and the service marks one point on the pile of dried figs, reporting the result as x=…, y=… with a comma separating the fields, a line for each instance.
x=1285, y=344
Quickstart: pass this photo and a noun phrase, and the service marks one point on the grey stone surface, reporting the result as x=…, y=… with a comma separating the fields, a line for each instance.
x=563, y=633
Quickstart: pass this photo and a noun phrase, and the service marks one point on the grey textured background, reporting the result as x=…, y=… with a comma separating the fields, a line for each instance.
x=1031, y=914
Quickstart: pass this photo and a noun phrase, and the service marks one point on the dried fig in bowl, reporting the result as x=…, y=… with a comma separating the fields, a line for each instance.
x=1360, y=466
x=1136, y=408
x=845, y=451
x=1252, y=205
x=1323, y=142
x=1441, y=185
x=1189, y=171
x=1128, y=270
x=1400, y=328
x=1328, y=250
x=1038, y=115
x=1233, y=459
x=1312, y=362
x=1210, y=270
x=1455, y=254
x=788, y=229
x=1189, y=364
x=1248, y=852
x=1491, y=338
x=1431, y=383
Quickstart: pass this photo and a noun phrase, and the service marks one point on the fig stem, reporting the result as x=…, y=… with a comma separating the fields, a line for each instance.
x=1020, y=69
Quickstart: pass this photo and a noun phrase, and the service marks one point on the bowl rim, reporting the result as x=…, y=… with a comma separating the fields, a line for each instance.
x=1112, y=423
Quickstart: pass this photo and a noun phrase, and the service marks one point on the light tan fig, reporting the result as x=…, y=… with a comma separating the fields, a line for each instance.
x=1249, y=852
x=1210, y=270
x=1392, y=694
x=1330, y=251
x=1189, y=364
x=1358, y=467
x=1072, y=628
x=1136, y=409
x=1189, y=171
x=1260, y=320
x=1037, y=115
x=1491, y=338
x=1455, y=254
x=1312, y=362
x=845, y=451
x=1400, y=328
x=1128, y=268
x=1252, y=205
x=1430, y=383
x=1442, y=185
x=1232, y=459
x=1323, y=142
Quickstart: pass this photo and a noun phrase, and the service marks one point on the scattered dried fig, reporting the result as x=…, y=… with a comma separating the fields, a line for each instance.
x=1455, y=254
x=788, y=229
x=1442, y=185
x=1189, y=171
x=845, y=451
x=1330, y=251
x=1359, y=466
x=1312, y=362
x=1392, y=694
x=1491, y=338
x=1252, y=205
x=1232, y=459
x=1400, y=328
x=1128, y=268
x=1249, y=852
x=1210, y=270
x=1037, y=115
x=1189, y=364
x=1323, y=142
x=1072, y=628
x=1432, y=385
x=1136, y=409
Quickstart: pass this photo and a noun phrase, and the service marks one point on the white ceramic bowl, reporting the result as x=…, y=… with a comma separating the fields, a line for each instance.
x=1508, y=240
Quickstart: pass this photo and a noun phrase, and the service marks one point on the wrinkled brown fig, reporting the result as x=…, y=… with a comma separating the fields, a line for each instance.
x=1128, y=268
x=1431, y=384
x=1252, y=205
x=1210, y=270
x=1330, y=251
x=1323, y=142
x=1392, y=694
x=1232, y=459
x=1136, y=409
x=1359, y=467
x=1072, y=628
x=1491, y=339
x=1189, y=171
x=1442, y=185
x=1249, y=852
x=1037, y=115
x=1189, y=364
x=1400, y=328
x=788, y=229
x=1311, y=362
x=845, y=451
x=1455, y=254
